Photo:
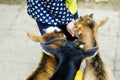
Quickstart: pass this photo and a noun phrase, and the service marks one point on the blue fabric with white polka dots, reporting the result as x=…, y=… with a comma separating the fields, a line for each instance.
x=51, y=12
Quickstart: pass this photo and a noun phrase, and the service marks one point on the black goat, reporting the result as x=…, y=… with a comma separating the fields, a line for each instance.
x=69, y=58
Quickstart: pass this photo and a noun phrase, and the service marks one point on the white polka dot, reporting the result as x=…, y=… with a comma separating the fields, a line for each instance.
x=44, y=17
x=42, y=3
x=44, y=11
x=55, y=23
x=54, y=4
x=61, y=8
x=38, y=10
x=33, y=9
x=52, y=20
x=53, y=7
x=36, y=1
x=63, y=16
x=43, y=22
x=64, y=12
x=56, y=11
x=39, y=4
x=61, y=4
x=41, y=14
x=57, y=4
x=41, y=8
x=40, y=19
x=33, y=14
x=38, y=16
x=49, y=23
x=33, y=3
x=67, y=19
x=60, y=12
x=67, y=15
x=59, y=16
x=36, y=7
x=48, y=6
x=46, y=20
x=50, y=17
x=56, y=19
x=47, y=15
x=51, y=10
x=55, y=14
x=57, y=8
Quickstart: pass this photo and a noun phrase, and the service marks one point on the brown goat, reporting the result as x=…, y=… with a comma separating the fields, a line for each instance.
x=47, y=64
x=86, y=29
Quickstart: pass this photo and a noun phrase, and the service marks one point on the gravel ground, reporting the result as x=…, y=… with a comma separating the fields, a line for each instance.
x=113, y=5
x=19, y=55
x=13, y=2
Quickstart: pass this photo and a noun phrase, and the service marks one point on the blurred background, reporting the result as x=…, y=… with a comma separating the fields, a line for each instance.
x=19, y=55
x=13, y=2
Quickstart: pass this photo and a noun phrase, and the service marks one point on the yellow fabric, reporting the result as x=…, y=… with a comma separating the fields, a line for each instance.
x=79, y=75
x=72, y=6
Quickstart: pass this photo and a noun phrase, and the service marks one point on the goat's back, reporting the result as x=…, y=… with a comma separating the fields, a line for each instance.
x=45, y=68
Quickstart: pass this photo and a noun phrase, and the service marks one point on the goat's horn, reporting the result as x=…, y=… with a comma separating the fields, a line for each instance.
x=59, y=41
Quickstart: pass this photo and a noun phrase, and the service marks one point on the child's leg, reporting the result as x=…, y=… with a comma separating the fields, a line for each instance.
x=42, y=26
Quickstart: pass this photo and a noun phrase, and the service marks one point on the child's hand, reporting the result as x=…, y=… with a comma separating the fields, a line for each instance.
x=70, y=27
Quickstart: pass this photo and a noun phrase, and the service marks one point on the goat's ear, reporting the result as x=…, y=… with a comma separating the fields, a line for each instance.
x=100, y=23
x=35, y=37
x=47, y=49
x=92, y=52
x=81, y=18
x=91, y=15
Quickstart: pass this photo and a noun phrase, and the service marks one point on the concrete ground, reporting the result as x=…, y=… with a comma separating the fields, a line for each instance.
x=19, y=55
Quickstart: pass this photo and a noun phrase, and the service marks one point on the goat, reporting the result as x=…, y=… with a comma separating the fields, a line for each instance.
x=86, y=29
x=47, y=64
x=69, y=58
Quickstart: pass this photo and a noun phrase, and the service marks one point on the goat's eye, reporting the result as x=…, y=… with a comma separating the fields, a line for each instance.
x=88, y=21
x=81, y=46
x=80, y=32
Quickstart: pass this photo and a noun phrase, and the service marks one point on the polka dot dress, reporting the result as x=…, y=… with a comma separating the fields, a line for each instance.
x=52, y=12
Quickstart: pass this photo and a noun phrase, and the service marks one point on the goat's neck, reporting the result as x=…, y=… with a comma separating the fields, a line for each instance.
x=90, y=40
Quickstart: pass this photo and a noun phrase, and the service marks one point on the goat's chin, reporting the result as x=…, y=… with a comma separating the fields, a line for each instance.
x=48, y=53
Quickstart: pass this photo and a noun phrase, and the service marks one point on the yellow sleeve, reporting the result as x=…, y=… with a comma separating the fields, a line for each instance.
x=72, y=6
